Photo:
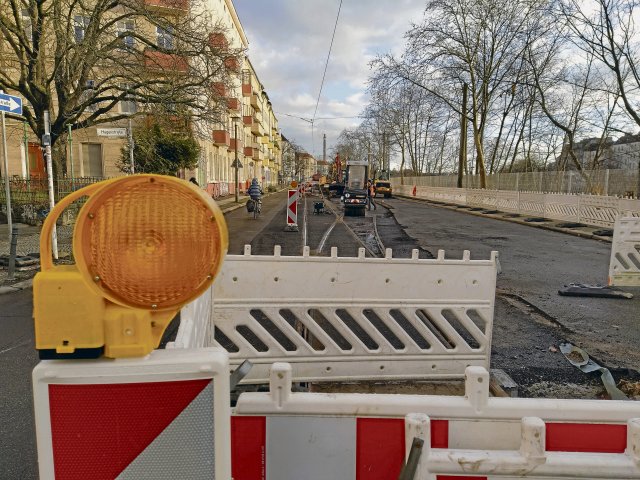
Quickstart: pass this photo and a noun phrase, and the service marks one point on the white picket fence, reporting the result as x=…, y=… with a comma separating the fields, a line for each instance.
x=595, y=210
x=344, y=318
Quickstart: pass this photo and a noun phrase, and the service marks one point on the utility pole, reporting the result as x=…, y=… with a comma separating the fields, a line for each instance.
x=236, y=163
x=46, y=141
x=6, y=175
x=324, y=149
x=384, y=152
x=132, y=145
x=463, y=136
x=70, y=142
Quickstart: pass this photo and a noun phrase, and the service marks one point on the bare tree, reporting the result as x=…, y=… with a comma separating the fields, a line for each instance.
x=608, y=34
x=80, y=59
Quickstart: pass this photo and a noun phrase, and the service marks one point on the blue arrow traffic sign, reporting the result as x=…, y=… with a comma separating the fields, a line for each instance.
x=11, y=104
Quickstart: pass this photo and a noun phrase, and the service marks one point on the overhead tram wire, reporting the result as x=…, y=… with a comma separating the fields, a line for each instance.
x=335, y=26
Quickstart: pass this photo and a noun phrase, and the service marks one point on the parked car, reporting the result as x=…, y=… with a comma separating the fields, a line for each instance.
x=383, y=188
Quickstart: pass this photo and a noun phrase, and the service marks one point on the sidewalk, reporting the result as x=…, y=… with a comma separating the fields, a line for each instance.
x=29, y=245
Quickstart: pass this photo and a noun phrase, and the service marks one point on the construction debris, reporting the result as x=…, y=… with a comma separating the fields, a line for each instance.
x=600, y=291
x=580, y=359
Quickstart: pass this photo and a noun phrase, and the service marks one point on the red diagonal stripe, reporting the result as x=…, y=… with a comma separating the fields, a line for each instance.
x=248, y=452
x=98, y=430
x=586, y=437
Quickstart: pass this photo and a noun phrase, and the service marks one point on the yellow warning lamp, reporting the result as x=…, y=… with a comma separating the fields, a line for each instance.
x=144, y=245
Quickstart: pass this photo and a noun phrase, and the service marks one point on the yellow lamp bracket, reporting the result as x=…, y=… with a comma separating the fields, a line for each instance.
x=144, y=246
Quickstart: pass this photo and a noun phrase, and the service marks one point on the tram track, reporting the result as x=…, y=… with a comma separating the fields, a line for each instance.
x=362, y=229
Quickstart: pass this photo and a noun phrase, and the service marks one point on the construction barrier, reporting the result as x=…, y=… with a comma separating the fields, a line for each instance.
x=292, y=208
x=163, y=416
x=596, y=210
x=345, y=318
x=624, y=266
x=289, y=435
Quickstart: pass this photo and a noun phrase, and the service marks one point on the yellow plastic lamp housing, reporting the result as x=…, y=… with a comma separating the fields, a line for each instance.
x=144, y=246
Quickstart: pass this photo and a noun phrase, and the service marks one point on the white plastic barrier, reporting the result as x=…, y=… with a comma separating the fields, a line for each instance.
x=533, y=459
x=344, y=318
x=366, y=436
x=624, y=266
x=593, y=210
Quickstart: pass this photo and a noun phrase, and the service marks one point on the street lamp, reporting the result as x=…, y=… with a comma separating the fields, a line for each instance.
x=236, y=163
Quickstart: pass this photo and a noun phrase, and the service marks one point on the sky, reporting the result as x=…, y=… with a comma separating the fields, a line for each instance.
x=288, y=45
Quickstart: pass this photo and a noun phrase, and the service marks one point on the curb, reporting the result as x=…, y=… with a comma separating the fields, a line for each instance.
x=552, y=228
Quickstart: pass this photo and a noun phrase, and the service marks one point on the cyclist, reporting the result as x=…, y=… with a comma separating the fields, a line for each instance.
x=255, y=192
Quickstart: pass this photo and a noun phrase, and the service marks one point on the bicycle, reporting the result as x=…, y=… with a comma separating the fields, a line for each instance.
x=254, y=206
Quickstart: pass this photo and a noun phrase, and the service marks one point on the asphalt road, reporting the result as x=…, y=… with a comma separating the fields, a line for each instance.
x=535, y=264
x=529, y=318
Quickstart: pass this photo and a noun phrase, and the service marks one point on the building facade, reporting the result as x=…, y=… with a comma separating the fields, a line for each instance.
x=247, y=129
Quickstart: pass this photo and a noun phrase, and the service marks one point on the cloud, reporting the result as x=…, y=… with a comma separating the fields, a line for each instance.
x=288, y=45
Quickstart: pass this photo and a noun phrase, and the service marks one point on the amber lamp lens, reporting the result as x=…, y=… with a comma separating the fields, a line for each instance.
x=150, y=242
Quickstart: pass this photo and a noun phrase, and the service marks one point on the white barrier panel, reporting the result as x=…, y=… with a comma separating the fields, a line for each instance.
x=624, y=266
x=532, y=460
x=344, y=318
x=593, y=210
x=195, y=323
x=162, y=416
x=474, y=435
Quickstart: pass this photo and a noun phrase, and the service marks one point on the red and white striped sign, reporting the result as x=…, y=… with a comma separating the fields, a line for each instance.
x=292, y=447
x=292, y=208
x=131, y=419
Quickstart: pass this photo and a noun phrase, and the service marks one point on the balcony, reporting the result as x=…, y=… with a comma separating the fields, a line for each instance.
x=246, y=83
x=257, y=154
x=234, y=106
x=255, y=127
x=248, y=120
x=264, y=139
x=219, y=88
x=166, y=62
x=255, y=101
x=173, y=6
x=234, y=142
x=248, y=151
x=232, y=64
x=221, y=138
x=218, y=41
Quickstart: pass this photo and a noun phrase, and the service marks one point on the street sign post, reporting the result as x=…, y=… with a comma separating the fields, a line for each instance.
x=11, y=104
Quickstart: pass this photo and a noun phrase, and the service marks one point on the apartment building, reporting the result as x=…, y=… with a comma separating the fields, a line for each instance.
x=247, y=127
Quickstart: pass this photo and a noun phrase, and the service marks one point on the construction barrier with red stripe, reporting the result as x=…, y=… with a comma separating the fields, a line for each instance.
x=164, y=416
x=284, y=435
x=292, y=208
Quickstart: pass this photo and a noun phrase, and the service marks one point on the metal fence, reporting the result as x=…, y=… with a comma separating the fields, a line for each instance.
x=35, y=191
x=621, y=182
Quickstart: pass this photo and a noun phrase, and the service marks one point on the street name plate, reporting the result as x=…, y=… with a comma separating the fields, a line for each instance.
x=112, y=132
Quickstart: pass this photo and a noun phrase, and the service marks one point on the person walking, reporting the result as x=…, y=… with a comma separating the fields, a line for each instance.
x=371, y=193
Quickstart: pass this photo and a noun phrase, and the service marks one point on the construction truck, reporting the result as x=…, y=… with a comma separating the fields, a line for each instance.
x=354, y=195
x=110, y=404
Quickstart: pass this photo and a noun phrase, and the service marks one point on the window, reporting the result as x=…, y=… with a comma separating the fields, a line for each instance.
x=165, y=38
x=125, y=27
x=89, y=92
x=80, y=24
x=128, y=105
x=27, y=25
